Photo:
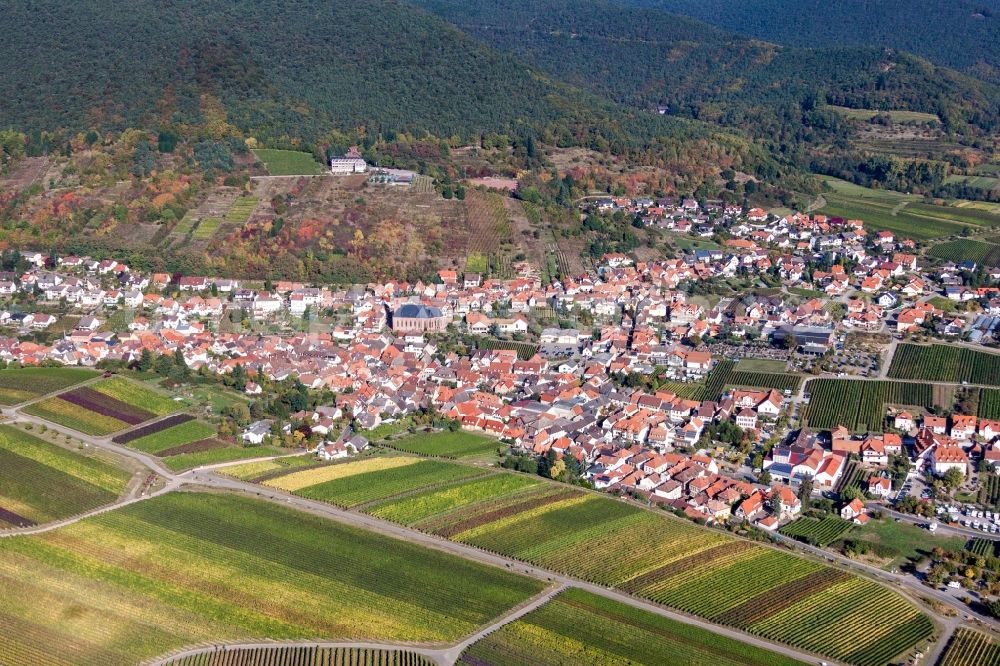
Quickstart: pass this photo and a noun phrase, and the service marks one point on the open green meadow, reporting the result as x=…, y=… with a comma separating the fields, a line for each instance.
x=288, y=162
x=21, y=384
x=578, y=627
x=447, y=444
x=41, y=482
x=898, y=116
x=761, y=365
x=608, y=542
x=190, y=568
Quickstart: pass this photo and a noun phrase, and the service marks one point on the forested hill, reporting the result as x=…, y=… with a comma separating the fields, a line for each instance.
x=963, y=34
x=279, y=71
x=648, y=57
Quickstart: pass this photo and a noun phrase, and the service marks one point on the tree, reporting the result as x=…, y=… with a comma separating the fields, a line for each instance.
x=805, y=491
x=239, y=413
x=851, y=493
x=557, y=469
x=774, y=504
x=953, y=478
x=765, y=478
x=145, y=362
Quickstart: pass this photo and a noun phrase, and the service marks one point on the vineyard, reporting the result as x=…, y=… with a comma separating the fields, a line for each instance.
x=860, y=405
x=817, y=532
x=41, y=482
x=241, y=210
x=446, y=444
x=671, y=562
x=983, y=547
x=192, y=568
x=943, y=363
x=970, y=648
x=304, y=656
x=986, y=254
x=490, y=232
x=578, y=627
x=989, y=491
x=21, y=384
x=989, y=404
x=725, y=374
x=525, y=350
x=856, y=476
x=103, y=408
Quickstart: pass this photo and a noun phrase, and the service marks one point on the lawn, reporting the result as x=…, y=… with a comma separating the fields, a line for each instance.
x=193, y=568
x=579, y=627
x=288, y=162
x=761, y=365
x=446, y=444
x=41, y=482
x=21, y=384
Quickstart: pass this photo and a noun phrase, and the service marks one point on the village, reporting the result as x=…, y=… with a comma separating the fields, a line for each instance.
x=628, y=371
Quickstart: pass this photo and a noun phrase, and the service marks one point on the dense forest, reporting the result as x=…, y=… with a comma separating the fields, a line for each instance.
x=958, y=33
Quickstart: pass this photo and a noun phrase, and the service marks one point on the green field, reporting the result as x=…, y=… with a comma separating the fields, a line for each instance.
x=288, y=162
x=860, y=405
x=818, y=532
x=241, y=210
x=206, y=228
x=761, y=365
x=42, y=482
x=898, y=116
x=971, y=648
x=305, y=656
x=908, y=541
x=447, y=444
x=257, y=471
x=662, y=559
x=219, y=454
x=578, y=627
x=986, y=254
x=525, y=350
x=21, y=384
x=944, y=363
x=191, y=568
x=178, y=435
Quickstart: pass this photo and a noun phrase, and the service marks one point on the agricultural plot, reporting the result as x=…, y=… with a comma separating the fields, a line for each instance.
x=241, y=210
x=727, y=374
x=818, y=532
x=261, y=470
x=175, y=435
x=191, y=568
x=970, y=648
x=525, y=350
x=206, y=228
x=768, y=365
x=861, y=405
x=288, y=162
x=42, y=482
x=944, y=363
x=989, y=404
x=305, y=656
x=675, y=563
x=186, y=224
x=490, y=231
x=989, y=491
x=446, y=444
x=986, y=254
x=983, y=547
x=897, y=116
x=103, y=408
x=578, y=627
x=22, y=384
x=880, y=216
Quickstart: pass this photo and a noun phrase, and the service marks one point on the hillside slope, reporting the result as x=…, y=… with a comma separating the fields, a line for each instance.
x=958, y=33
x=648, y=57
x=275, y=70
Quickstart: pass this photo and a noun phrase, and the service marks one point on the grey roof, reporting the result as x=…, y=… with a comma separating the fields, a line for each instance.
x=414, y=311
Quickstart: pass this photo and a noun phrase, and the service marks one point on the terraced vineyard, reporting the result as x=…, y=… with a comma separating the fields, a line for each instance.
x=578, y=627
x=41, y=482
x=191, y=568
x=22, y=384
x=818, y=532
x=609, y=542
x=971, y=648
x=305, y=656
x=860, y=405
x=241, y=210
x=944, y=363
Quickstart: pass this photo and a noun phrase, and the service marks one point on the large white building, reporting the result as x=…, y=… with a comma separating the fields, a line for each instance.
x=351, y=162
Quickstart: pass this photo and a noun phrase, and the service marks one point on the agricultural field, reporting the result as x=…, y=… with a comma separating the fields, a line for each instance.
x=896, y=115
x=898, y=542
x=288, y=162
x=578, y=627
x=817, y=532
x=446, y=444
x=985, y=254
x=525, y=350
x=727, y=374
x=860, y=405
x=241, y=210
x=983, y=547
x=352, y=484
x=609, y=542
x=767, y=365
x=103, y=408
x=989, y=491
x=261, y=470
x=970, y=648
x=21, y=384
x=206, y=228
x=989, y=404
x=944, y=363
x=41, y=482
x=194, y=568
x=490, y=233
x=183, y=442
x=213, y=452
x=305, y=656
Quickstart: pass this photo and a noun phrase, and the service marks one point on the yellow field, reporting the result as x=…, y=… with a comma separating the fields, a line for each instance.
x=311, y=477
